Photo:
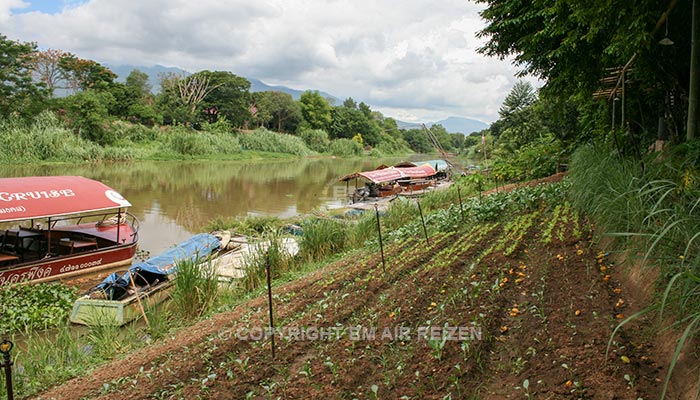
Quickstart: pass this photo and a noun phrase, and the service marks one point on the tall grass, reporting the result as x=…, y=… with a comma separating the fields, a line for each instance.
x=322, y=237
x=263, y=140
x=345, y=148
x=655, y=207
x=270, y=249
x=46, y=139
x=196, y=288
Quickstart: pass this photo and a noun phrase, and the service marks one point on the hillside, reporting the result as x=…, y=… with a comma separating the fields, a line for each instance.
x=525, y=301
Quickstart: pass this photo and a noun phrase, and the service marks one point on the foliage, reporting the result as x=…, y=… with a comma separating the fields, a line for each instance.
x=571, y=46
x=315, y=110
x=40, y=306
x=322, y=237
x=87, y=113
x=316, y=139
x=345, y=148
x=418, y=141
x=263, y=140
x=280, y=110
x=18, y=93
x=196, y=287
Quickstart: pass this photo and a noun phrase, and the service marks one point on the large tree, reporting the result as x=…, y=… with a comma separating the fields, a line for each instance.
x=19, y=94
x=46, y=65
x=315, y=110
x=83, y=74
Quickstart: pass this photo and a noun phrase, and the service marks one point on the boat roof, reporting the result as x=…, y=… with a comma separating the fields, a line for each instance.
x=389, y=174
x=393, y=173
x=49, y=196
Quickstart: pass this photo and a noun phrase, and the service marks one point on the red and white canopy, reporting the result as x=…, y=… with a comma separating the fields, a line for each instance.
x=395, y=173
x=49, y=196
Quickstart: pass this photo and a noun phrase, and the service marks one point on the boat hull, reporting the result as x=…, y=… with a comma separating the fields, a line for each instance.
x=54, y=268
x=87, y=311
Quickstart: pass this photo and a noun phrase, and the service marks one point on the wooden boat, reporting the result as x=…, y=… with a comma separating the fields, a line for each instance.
x=231, y=265
x=124, y=297
x=390, y=181
x=55, y=227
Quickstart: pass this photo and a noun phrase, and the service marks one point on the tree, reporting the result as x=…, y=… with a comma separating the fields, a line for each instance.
x=230, y=97
x=137, y=82
x=350, y=103
x=19, y=94
x=572, y=45
x=83, y=74
x=519, y=98
x=285, y=111
x=88, y=113
x=315, y=110
x=46, y=67
x=418, y=141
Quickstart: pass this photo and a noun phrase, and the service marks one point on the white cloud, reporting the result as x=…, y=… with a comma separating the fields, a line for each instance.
x=413, y=59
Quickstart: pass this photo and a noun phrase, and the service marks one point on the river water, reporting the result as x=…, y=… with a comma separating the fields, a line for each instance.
x=175, y=199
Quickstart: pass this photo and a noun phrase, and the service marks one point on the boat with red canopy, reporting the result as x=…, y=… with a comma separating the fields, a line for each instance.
x=389, y=181
x=54, y=227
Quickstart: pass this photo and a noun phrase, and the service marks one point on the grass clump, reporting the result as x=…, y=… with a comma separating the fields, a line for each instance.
x=196, y=288
x=322, y=237
x=345, y=148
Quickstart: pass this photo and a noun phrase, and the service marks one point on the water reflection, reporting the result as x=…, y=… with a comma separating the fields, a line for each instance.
x=174, y=199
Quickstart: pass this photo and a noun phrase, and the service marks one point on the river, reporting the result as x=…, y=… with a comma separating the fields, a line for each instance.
x=176, y=199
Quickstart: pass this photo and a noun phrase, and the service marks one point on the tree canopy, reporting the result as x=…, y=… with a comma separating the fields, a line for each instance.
x=573, y=45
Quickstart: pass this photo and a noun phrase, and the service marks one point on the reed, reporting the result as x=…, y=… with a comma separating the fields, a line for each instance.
x=196, y=288
x=263, y=140
x=322, y=237
x=270, y=249
x=345, y=148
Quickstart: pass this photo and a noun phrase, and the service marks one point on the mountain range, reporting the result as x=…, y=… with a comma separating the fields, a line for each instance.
x=451, y=124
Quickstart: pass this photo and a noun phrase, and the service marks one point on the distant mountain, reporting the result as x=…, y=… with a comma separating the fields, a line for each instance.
x=462, y=125
x=257, y=85
x=451, y=124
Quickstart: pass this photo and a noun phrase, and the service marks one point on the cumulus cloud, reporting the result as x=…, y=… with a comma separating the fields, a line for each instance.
x=414, y=60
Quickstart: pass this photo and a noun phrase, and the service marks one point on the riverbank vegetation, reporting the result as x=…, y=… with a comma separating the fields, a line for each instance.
x=79, y=111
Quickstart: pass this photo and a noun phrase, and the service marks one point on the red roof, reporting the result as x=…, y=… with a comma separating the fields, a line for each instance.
x=48, y=196
x=394, y=173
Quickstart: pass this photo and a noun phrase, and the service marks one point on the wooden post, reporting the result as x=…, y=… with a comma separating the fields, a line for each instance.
x=461, y=207
x=269, y=302
x=379, y=230
x=425, y=231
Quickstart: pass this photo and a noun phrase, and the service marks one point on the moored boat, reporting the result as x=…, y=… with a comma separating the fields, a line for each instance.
x=390, y=181
x=56, y=227
x=123, y=297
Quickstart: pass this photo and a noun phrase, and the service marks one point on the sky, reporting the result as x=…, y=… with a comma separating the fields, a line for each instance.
x=412, y=60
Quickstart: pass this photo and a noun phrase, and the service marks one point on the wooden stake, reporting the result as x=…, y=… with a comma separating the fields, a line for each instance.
x=138, y=299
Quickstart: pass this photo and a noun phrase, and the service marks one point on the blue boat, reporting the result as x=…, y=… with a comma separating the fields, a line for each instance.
x=123, y=297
